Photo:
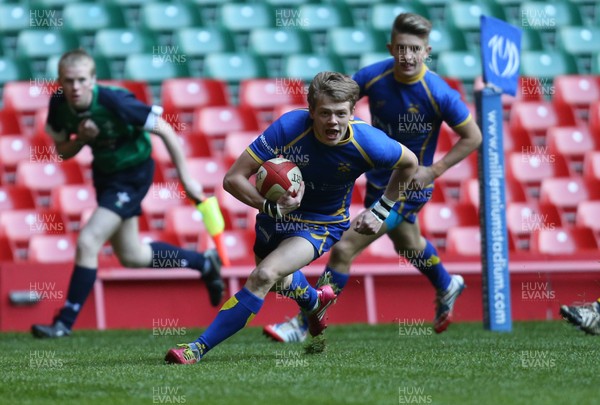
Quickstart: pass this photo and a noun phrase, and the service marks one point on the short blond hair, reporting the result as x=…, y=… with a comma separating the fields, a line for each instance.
x=76, y=56
x=336, y=86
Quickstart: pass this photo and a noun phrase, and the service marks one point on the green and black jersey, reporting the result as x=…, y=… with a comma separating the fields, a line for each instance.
x=123, y=122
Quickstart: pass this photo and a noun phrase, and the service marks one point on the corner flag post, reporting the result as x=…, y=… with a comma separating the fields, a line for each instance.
x=500, y=49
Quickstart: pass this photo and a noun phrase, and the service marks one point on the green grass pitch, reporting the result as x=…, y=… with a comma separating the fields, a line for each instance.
x=538, y=363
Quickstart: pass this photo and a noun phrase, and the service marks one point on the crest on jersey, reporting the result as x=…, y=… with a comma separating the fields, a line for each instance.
x=343, y=167
x=413, y=108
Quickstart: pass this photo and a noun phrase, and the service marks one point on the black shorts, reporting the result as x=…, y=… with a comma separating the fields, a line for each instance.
x=122, y=192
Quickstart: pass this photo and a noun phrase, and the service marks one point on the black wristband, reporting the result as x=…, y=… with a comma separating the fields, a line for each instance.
x=385, y=205
x=381, y=210
x=271, y=209
x=378, y=215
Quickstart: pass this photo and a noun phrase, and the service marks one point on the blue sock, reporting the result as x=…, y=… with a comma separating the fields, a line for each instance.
x=165, y=256
x=236, y=313
x=428, y=262
x=301, y=291
x=335, y=279
x=80, y=286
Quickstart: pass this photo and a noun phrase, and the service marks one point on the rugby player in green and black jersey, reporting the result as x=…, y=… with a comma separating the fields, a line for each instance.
x=117, y=127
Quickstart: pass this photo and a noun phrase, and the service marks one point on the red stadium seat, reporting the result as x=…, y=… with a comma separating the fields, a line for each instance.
x=24, y=98
x=18, y=226
x=587, y=216
x=437, y=218
x=159, y=199
x=591, y=173
x=181, y=96
x=524, y=218
x=251, y=219
x=39, y=130
x=140, y=90
x=155, y=236
x=6, y=254
x=528, y=89
x=234, y=211
x=450, y=181
x=531, y=120
x=571, y=143
x=209, y=172
x=71, y=200
x=446, y=139
x=565, y=193
x=14, y=197
x=215, y=122
x=40, y=178
x=52, y=249
x=13, y=149
x=577, y=93
x=594, y=120
x=464, y=241
x=530, y=169
x=239, y=244
x=508, y=142
x=469, y=192
x=185, y=223
x=192, y=146
x=235, y=143
x=263, y=95
x=563, y=241
x=383, y=248
x=9, y=124
x=284, y=108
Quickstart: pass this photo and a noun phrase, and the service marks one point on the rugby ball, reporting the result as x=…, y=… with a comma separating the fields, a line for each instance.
x=276, y=176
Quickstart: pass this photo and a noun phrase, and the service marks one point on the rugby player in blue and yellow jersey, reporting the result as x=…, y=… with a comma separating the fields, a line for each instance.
x=117, y=127
x=409, y=103
x=332, y=151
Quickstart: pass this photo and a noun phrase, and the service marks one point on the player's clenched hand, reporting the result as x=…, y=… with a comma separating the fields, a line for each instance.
x=367, y=223
x=291, y=200
x=193, y=189
x=423, y=177
x=87, y=130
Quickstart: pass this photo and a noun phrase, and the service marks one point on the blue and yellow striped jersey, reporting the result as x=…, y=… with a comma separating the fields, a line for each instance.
x=328, y=172
x=410, y=112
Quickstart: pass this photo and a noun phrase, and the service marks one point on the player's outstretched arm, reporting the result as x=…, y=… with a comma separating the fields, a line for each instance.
x=369, y=222
x=169, y=138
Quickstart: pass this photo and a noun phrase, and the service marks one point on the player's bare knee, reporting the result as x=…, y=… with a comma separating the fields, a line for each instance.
x=342, y=253
x=263, y=277
x=88, y=243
